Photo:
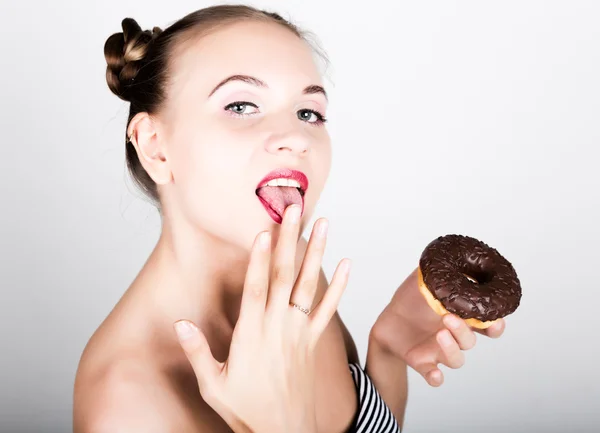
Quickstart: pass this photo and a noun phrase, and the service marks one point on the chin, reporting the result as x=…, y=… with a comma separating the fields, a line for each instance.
x=244, y=227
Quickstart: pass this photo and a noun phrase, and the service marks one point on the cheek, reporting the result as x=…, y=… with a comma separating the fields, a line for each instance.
x=208, y=176
x=322, y=164
x=320, y=169
x=190, y=167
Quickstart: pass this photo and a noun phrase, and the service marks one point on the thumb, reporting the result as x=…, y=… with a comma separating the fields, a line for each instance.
x=197, y=350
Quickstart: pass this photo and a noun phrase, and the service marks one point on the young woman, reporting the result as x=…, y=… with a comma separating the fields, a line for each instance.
x=226, y=133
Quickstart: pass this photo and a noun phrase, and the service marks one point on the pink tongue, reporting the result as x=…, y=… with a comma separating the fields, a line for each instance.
x=280, y=197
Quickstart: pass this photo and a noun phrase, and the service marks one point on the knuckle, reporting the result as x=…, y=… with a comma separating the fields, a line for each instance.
x=281, y=276
x=467, y=341
x=256, y=289
x=316, y=327
x=309, y=340
x=318, y=247
x=412, y=360
x=458, y=362
x=470, y=344
x=307, y=285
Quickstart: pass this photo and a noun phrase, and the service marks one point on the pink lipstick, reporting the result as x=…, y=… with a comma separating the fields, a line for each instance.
x=281, y=188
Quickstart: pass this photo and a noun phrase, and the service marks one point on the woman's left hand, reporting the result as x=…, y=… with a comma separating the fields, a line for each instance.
x=411, y=330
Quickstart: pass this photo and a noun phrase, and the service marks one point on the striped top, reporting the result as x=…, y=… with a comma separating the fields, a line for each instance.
x=373, y=415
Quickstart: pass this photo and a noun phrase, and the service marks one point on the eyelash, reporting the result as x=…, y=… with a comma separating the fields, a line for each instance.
x=320, y=118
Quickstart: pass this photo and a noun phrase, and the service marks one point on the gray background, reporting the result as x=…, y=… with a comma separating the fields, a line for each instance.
x=471, y=117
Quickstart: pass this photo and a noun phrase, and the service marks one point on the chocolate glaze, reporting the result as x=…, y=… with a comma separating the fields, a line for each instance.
x=448, y=260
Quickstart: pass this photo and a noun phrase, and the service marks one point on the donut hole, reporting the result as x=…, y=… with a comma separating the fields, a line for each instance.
x=478, y=275
x=478, y=268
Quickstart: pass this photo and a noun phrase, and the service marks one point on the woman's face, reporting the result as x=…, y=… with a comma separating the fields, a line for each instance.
x=244, y=101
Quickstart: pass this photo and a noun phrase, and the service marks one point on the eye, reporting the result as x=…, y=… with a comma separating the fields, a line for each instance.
x=241, y=108
x=311, y=116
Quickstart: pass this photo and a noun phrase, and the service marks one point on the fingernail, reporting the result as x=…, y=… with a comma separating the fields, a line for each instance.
x=265, y=240
x=294, y=213
x=453, y=322
x=496, y=328
x=184, y=329
x=446, y=338
x=323, y=226
x=346, y=266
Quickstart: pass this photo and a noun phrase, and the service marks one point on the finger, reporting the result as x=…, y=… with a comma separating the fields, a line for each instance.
x=197, y=351
x=462, y=333
x=304, y=290
x=256, y=284
x=424, y=360
x=495, y=330
x=325, y=309
x=452, y=357
x=434, y=376
x=282, y=277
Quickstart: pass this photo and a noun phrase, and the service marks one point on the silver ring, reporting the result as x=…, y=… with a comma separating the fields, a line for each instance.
x=304, y=310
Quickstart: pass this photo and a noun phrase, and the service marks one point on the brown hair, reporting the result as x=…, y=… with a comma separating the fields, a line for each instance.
x=138, y=64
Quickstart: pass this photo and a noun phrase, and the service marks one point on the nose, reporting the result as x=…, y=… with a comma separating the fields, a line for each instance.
x=289, y=138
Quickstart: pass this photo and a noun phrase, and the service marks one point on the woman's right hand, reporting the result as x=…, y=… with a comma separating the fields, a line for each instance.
x=267, y=382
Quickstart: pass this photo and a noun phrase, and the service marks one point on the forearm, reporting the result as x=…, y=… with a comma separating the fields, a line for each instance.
x=389, y=375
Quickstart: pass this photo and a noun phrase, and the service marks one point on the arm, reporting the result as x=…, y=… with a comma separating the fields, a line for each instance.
x=124, y=398
x=388, y=372
x=348, y=340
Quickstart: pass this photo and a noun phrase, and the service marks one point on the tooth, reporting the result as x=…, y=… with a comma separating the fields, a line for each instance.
x=283, y=182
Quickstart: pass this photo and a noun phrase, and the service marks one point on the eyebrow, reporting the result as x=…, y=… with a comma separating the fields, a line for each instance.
x=308, y=90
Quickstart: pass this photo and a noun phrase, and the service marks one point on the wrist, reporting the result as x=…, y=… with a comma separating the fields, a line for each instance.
x=379, y=341
x=389, y=336
x=388, y=370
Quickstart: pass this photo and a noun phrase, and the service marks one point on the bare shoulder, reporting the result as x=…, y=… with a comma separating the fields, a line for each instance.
x=124, y=396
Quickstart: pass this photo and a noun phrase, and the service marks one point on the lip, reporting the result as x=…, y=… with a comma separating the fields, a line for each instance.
x=286, y=173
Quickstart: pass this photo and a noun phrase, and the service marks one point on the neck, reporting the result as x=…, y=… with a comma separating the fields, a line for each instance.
x=193, y=275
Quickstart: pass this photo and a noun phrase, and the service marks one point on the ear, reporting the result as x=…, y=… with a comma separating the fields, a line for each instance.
x=150, y=148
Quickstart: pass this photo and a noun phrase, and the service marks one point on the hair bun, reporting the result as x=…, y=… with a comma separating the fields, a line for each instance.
x=125, y=53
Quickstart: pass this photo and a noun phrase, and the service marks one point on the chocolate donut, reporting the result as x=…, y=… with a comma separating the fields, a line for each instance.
x=466, y=277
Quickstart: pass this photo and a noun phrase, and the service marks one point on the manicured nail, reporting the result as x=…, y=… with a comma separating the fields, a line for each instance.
x=184, y=329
